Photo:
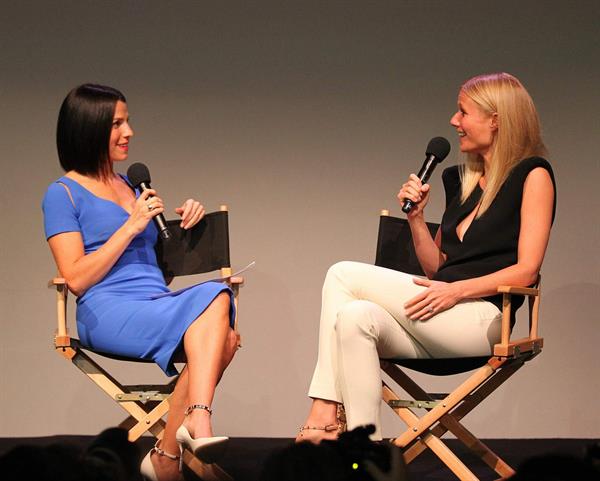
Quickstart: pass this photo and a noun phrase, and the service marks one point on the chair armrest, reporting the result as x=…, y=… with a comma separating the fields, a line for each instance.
x=235, y=282
x=57, y=281
x=61, y=338
x=533, y=343
x=525, y=291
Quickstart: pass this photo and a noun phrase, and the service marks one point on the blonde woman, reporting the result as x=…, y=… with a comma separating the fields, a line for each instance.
x=499, y=210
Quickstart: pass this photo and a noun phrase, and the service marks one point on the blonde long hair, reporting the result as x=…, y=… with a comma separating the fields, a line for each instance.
x=517, y=137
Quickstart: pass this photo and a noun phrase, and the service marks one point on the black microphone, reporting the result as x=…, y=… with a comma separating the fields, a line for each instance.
x=139, y=176
x=437, y=150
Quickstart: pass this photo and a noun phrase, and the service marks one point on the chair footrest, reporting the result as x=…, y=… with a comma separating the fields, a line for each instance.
x=141, y=396
x=434, y=399
x=152, y=388
x=402, y=403
x=519, y=348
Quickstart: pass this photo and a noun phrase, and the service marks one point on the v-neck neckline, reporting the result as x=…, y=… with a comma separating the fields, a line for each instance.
x=476, y=197
x=102, y=198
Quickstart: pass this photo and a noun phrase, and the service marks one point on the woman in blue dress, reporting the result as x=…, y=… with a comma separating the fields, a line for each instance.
x=100, y=233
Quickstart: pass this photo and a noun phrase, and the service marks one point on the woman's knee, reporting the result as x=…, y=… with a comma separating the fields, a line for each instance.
x=355, y=319
x=222, y=303
x=339, y=274
x=339, y=268
x=231, y=345
x=232, y=339
x=217, y=311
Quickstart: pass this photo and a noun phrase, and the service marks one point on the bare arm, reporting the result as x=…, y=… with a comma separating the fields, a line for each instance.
x=428, y=249
x=81, y=270
x=536, y=220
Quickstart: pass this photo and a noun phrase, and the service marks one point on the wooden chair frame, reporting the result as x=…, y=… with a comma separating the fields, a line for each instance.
x=444, y=412
x=145, y=404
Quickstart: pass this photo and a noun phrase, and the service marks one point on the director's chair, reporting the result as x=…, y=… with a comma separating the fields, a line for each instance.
x=202, y=249
x=443, y=412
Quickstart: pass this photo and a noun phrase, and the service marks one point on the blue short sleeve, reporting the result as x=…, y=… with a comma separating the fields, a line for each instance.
x=60, y=215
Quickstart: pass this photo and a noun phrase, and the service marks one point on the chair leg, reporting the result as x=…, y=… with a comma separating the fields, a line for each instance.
x=152, y=421
x=450, y=402
x=143, y=417
x=146, y=420
x=450, y=421
x=132, y=425
x=450, y=459
x=128, y=423
x=478, y=447
x=430, y=441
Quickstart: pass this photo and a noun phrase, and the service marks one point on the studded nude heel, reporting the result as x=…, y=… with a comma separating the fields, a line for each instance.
x=329, y=432
x=207, y=450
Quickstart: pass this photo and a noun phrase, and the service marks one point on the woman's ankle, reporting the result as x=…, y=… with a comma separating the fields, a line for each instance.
x=198, y=424
x=166, y=469
x=166, y=461
x=323, y=412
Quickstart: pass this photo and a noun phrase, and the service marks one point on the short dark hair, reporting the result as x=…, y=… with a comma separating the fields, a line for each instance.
x=83, y=129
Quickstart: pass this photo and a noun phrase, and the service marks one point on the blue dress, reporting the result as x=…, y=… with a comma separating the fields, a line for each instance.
x=130, y=312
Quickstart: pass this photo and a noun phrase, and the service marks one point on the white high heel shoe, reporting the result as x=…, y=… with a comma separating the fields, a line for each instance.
x=207, y=450
x=147, y=468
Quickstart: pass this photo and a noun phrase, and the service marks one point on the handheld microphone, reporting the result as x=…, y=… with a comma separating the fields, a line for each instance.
x=139, y=176
x=437, y=150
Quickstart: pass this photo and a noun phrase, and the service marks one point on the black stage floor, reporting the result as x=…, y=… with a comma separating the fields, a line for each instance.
x=246, y=456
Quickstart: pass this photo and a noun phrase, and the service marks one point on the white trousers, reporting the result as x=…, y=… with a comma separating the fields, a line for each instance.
x=363, y=319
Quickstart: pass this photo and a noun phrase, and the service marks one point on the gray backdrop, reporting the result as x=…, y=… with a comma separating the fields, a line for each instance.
x=305, y=117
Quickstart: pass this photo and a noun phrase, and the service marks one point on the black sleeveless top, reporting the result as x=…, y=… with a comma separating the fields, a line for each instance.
x=491, y=242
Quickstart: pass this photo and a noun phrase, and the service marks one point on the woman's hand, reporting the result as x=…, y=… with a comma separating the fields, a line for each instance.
x=191, y=213
x=439, y=296
x=146, y=206
x=417, y=192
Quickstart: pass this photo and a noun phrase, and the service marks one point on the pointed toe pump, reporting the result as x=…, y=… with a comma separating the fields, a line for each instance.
x=208, y=449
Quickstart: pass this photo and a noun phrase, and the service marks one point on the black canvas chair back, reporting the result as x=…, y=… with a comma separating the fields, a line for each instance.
x=395, y=250
x=203, y=248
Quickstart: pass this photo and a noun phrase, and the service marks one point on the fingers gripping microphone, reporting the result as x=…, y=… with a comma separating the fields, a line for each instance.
x=139, y=176
x=437, y=150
